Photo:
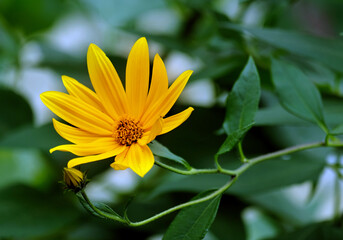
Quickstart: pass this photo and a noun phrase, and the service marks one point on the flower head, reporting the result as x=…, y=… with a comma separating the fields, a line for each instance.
x=73, y=179
x=113, y=121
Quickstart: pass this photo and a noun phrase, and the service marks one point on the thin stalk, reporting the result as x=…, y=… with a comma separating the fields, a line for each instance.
x=193, y=171
x=183, y=205
x=279, y=153
x=241, y=153
x=101, y=213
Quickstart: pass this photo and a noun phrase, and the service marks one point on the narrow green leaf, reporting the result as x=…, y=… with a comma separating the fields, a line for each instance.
x=232, y=139
x=297, y=93
x=193, y=222
x=159, y=150
x=101, y=206
x=242, y=102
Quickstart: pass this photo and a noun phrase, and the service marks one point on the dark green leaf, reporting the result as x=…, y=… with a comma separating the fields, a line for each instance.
x=276, y=115
x=242, y=102
x=327, y=51
x=193, y=222
x=297, y=94
x=159, y=150
x=27, y=213
x=232, y=139
x=31, y=16
x=15, y=111
x=318, y=231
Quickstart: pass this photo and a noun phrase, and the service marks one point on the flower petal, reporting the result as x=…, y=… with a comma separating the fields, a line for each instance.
x=117, y=165
x=159, y=82
x=137, y=77
x=106, y=82
x=78, y=113
x=80, y=91
x=98, y=146
x=164, y=104
x=151, y=134
x=73, y=134
x=176, y=120
x=139, y=158
x=82, y=160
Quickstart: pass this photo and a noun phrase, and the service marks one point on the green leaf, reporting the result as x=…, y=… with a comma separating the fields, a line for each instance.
x=338, y=130
x=242, y=102
x=31, y=16
x=159, y=150
x=36, y=172
x=297, y=93
x=232, y=139
x=193, y=222
x=30, y=214
x=101, y=206
x=320, y=231
x=43, y=137
x=15, y=111
x=326, y=51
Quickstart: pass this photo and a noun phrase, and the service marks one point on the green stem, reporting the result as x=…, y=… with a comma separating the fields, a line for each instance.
x=279, y=153
x=192, y=171
x=183, y=205
x=241, y=153
x=101, y=213
x=246, y=165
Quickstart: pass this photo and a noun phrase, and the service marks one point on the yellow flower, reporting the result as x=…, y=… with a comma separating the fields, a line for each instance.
x=112, y=121
x=73, y=179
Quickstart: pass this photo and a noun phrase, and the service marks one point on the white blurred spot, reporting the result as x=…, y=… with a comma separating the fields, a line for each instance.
x=34, y=81
x=177, y=63
x=31, y=54
x=298, y=194
x=105, y=187
x=255, y=14
x=159, y=21
x=331, y=158
x=229, y=7
x=199, y=93
x=73, y=34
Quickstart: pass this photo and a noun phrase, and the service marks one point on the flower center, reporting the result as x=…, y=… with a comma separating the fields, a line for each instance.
x=128, y=132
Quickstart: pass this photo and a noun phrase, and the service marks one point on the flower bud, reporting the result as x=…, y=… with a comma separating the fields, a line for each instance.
x=73, y=179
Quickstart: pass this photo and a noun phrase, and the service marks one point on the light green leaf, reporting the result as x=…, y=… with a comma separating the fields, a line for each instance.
x=193, y=222
x=338, y=130
x=242, y=102
x=43, y=137
x=297, y=93
x=36, y=172
x=159, y=150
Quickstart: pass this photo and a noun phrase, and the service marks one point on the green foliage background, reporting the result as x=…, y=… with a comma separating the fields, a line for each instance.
x=298, y=52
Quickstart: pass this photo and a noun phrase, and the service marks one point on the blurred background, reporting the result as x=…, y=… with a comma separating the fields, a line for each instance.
x=291, y=197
